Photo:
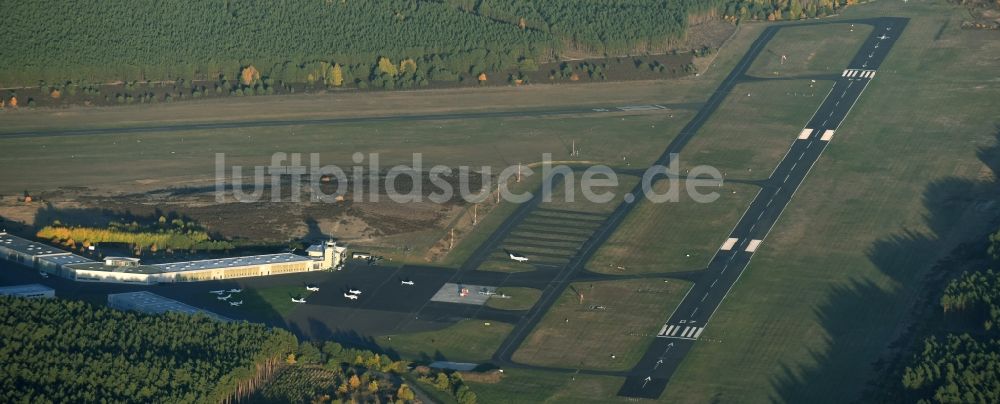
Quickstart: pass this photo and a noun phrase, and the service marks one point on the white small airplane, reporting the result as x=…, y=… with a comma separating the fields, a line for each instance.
x=300, y=300
x=487, y=292
x=235, y=290
x=515, y=256
x=350, y=296
x=217, y=292
x=354, y=291
x=312, y=288
x=884, y=37
x=226, y=297
x=236, y=303
x=410, y=283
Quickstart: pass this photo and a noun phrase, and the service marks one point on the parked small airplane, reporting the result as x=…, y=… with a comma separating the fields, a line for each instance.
x=350, y=296
x=354, y=291
x=235, y=290
x=236, y=303
x=218, y=292
x=884, y=37
x=515, y=256
x=299, y=300
x=410, y=283
x=226, y=297
x=312, y=288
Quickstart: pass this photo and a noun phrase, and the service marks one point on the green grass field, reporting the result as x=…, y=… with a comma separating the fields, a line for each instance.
x=822, y=49
x=672, y=236
x=121, y=162
x=747, y=136
x=466, y=341
x=520, y=298
x=532, y=386
x=581, y=335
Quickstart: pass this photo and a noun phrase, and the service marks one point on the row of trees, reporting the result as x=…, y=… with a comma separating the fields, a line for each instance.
x=340, y=43
x=54, y=350
x=976, y=293
x=959, y=369
x=173, y=235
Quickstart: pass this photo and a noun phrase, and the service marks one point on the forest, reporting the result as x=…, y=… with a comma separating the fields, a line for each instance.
x=76, y=45
x=54, y=350
x=962, y=363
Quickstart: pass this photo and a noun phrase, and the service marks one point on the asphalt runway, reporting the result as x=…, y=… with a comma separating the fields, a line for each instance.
x=650, y=376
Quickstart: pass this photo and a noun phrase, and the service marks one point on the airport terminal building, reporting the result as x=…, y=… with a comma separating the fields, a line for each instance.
x=51, y=260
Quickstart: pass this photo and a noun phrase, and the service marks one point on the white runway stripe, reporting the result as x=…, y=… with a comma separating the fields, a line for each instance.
x=680, y=331
x=805, y=133
x=753, y=246
x=845, y=73
x=728, y=245
x=827, y=135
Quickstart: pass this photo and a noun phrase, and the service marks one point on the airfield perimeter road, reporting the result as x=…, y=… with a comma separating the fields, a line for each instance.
x=649, y=378
x=517, y=113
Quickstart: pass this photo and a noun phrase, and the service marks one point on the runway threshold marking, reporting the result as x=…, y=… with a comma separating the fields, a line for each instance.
x=680, y=331
x=827, y=135
x=805, y=133
x=729, y=244
x=753, y=245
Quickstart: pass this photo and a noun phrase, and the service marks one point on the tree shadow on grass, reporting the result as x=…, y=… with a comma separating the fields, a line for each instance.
x=960, y=212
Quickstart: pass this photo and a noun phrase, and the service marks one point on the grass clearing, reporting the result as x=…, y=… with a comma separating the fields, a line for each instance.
x=822, y=49
x=532, y=386
x=747, y=136
x=584, y=336
x=668, y=237
x=465, y=341
x=519, y=298
x=127, y=162
x=577, y=201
